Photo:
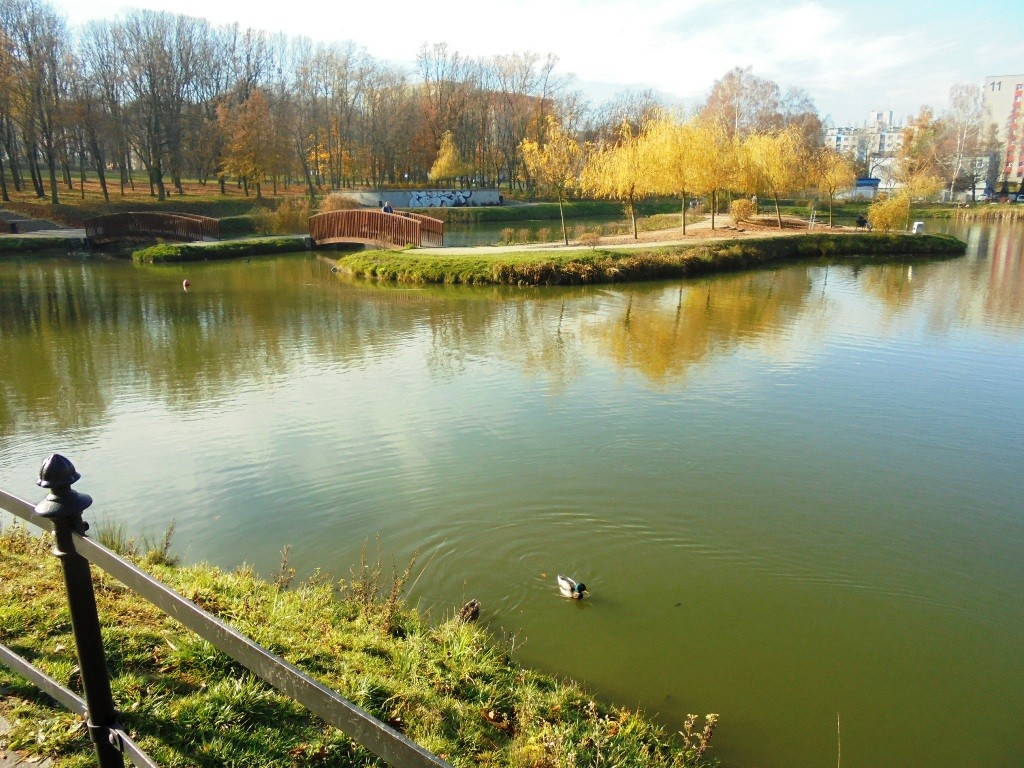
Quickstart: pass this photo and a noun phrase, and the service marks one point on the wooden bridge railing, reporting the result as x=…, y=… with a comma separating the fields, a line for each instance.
x=391, y=230
x=61, y=513
x=431, y=229
x=149, y=224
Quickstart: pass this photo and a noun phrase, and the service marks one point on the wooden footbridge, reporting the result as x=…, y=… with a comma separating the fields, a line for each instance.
x=384, y=230
x=369, y=227
x=148, y=225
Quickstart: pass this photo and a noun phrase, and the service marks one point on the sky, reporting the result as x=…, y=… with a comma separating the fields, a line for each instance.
x=851, y=57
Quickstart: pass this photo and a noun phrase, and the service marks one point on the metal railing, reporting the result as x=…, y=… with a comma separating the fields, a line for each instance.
x=61, y=513
x=149, y=224
x=394, y=230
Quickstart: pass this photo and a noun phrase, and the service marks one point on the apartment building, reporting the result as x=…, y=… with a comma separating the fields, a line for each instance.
x=872, y=145
x=1004, y=105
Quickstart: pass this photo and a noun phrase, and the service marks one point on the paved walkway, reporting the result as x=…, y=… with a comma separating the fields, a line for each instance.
x=9, y=758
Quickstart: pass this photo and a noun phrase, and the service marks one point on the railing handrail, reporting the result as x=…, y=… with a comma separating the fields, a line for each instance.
x=182, y=226
x=357, y=723
x=372, y=226
x=72, y=701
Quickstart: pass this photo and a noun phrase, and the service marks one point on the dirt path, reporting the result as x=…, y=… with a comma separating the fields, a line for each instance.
x=696, y=234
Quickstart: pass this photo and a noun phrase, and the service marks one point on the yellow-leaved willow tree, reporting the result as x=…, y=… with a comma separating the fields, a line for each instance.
x=554, y=164
x=717, y=163
x=832, y=172
x=677, y=148
x=778, y=163
x=623, y=171
x=449, y=163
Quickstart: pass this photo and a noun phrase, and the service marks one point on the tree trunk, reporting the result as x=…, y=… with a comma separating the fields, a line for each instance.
x=631, y=205
x=3, y=182
x=33, y=169
x=778, y=213
x=51, y=164
x=561, y=215
x=714, y=205
x=683, y=217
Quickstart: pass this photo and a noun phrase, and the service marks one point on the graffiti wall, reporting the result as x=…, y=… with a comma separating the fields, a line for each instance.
x=427, y=198
x=452, y=198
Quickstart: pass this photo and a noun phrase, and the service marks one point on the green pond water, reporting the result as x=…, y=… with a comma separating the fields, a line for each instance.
x=794, y=494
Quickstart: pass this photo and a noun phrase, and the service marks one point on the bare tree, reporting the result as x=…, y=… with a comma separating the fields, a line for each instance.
x=963, y=126
x=38, y=40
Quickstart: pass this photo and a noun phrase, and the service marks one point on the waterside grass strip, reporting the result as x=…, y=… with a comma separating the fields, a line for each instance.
x=609, y=265
x=166, y=253
x=446, y=685
x=13, y=246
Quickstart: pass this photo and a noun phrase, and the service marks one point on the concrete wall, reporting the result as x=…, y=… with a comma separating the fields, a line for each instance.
x=428, y=198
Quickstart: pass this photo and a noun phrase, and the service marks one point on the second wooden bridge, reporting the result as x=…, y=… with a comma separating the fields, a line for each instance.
x=385, y=230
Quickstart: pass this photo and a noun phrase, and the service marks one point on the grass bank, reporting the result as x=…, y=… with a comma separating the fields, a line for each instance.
x=609, y=265
x=12, y=246
x=166, y=253
x=990, y=211
x=446, y=685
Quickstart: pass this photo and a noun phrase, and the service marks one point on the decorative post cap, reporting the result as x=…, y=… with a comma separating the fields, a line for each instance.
x=57, y=472
x=62, y=502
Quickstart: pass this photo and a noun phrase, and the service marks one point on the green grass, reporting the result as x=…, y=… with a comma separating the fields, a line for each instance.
x=166, y=253
x=608, y=265
x=448, y=686
x=14, y=246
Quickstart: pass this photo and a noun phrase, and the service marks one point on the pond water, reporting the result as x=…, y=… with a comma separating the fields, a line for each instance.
x=795, y=494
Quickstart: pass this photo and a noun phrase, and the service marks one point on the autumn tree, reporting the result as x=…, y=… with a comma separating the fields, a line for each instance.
x=523, y=86
x=676, y=147
x=449, y=163
x=742, y=103
x=622, y=171
x=717, y=164
x=779, y=163
x=555, y=164
x=919, y=170
x=254, y=148
x=832, y=171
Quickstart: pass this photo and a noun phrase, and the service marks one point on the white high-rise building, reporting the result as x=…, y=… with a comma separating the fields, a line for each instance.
x=1004, y=106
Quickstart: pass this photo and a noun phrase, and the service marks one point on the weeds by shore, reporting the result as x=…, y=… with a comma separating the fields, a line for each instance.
x=446, y=684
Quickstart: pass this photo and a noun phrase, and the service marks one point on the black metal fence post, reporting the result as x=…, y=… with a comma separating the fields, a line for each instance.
x=64, y=507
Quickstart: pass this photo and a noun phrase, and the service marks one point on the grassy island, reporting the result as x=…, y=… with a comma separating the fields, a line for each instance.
x=446, y=684
x=165, y=253
x=650, y=262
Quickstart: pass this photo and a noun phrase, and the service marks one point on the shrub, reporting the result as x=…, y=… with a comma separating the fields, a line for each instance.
x=741, y=210
x=589, y=239
x=889, y=213
x=292, y=216
x=337, y=201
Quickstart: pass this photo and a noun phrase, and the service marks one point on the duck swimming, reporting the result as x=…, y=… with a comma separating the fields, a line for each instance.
x=571, y=588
